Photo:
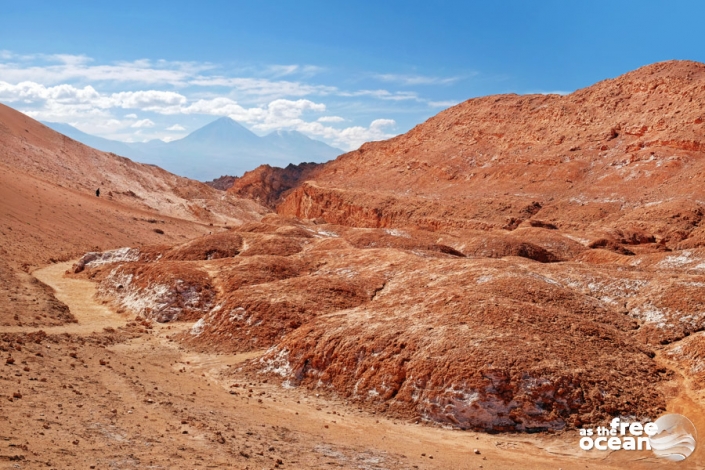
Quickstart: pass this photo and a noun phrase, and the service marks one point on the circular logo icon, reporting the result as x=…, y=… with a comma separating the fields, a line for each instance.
x=675, y=439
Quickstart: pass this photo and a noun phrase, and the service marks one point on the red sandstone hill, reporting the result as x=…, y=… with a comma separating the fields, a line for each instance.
x=31, y=148
x=622, y=152
x=49, y=211
x=401, y=322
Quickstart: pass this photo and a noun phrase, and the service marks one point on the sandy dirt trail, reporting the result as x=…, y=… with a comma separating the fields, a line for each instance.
x=79, y=295
x=329, y=432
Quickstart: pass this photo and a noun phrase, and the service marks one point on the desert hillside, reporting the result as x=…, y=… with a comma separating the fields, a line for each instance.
x=49, y=211
x=623, y=153
x=266, y=184
x=30, y=148
x=516, y=263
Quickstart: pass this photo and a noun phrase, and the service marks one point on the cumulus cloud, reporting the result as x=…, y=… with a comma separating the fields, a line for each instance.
x=287, y=113
x=36, y=93
x=73, y=88
x=165, y=102
x=65, y=102
x=349, y=138
x=31, y=92
x=143, y=123
x=330, y=119
x=277, y=114
x=377, y=130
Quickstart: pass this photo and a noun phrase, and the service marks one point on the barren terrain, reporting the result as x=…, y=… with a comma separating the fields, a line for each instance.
x=115, y=392
x=512, y=270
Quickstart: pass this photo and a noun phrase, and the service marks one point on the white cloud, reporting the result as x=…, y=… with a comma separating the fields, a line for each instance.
x=65, y=102
x=220, y=106
x=263, y=86
x=442, y=104
x=73, y=88
x=147, y=100
x=280, y=112
x=330, y=119
x=351, y=137
x=143, y=123
x=30, y=92
x=35, y=93
x=383, y=94
x=415, y=79
x=277, y=114
x=283, y=70
x=51, y=69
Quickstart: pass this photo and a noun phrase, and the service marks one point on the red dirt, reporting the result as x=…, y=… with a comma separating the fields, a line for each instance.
x=622, y=152
x=388, y=320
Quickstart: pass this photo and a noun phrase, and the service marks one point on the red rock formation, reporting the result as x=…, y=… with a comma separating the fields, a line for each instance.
x=223, y=183
x=474, y=335
x=266, y=184
x=603, y=155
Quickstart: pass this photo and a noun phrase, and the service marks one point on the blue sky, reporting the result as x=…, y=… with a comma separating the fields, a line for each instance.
x=342, y=72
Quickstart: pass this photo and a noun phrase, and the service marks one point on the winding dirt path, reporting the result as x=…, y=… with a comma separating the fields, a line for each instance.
x=79, y=296
x=322, y=426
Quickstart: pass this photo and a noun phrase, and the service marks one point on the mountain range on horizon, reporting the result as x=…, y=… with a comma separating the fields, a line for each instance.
x=223, y=147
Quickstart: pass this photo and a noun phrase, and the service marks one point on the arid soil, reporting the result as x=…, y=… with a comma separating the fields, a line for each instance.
x=30, y=149
x=427, y=328
x=620, y=156
x=115, y=392
x=49, y=211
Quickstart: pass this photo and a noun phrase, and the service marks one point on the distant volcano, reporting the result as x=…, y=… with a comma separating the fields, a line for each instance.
x=222, y=147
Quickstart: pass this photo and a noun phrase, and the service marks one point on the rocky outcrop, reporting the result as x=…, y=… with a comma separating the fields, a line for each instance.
x=521, y=330
x=267, y=185
x=223, y=183
x=164, y=292
x=607, y=155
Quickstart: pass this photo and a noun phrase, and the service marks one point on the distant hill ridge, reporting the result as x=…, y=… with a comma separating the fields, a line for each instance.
x=222, y=147
x=618, y=152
